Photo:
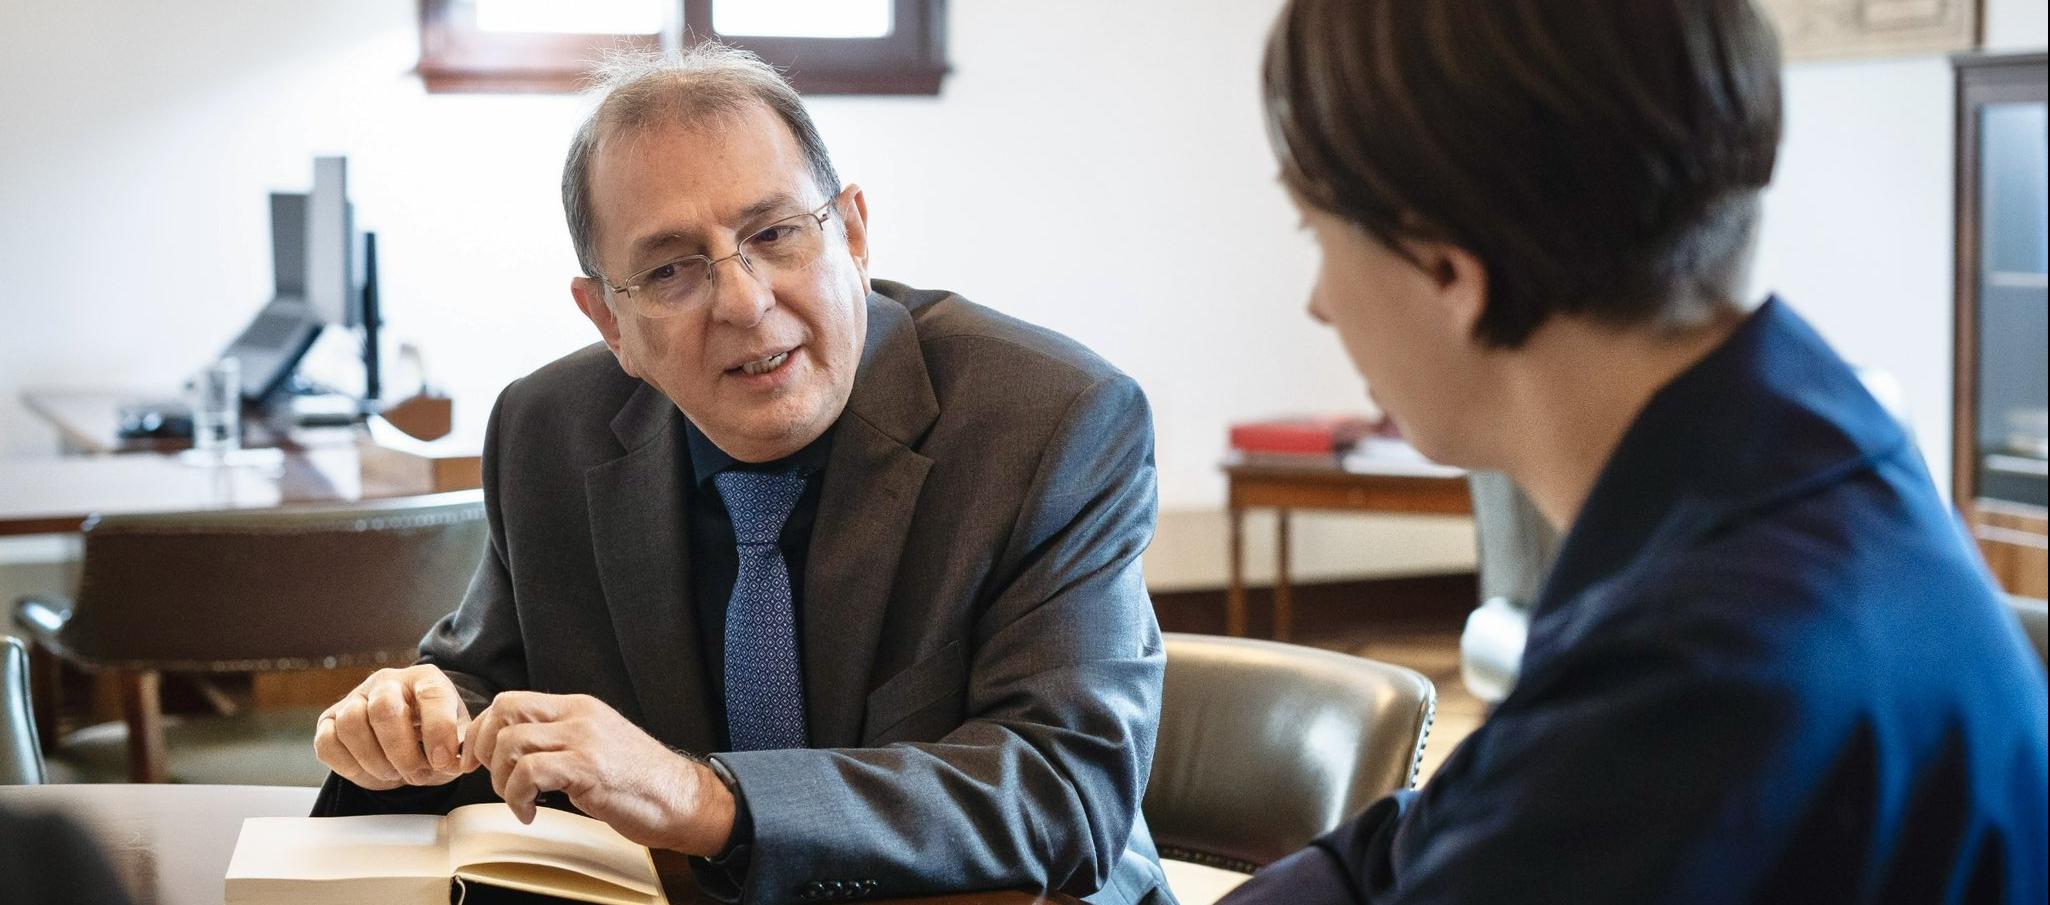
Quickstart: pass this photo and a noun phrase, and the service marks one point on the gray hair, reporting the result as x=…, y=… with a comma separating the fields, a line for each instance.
x=707, y=81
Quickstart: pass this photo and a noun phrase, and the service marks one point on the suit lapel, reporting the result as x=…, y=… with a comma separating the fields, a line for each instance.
x=637, y=534
x=872, y=482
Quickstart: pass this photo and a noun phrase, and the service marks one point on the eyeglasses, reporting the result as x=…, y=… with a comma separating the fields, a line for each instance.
x=673, y=287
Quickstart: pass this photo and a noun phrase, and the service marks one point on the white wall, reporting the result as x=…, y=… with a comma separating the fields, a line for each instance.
x=1857, y=232
x=1139, y=218
x=2016, y=25
x=1111, y=182
x=1858, y=224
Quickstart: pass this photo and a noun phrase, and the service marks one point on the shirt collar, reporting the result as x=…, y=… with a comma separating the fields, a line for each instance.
x=707, y=459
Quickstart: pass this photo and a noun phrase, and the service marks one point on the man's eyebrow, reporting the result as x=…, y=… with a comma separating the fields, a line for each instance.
x=764, y=207
x=659, y=241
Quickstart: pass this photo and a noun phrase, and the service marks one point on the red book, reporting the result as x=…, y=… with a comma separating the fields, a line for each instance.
x=1329, y=435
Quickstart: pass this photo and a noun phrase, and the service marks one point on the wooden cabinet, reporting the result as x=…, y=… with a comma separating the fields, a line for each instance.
x=2003, y=276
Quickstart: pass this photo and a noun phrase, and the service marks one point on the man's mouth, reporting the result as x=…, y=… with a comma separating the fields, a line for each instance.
x=764, y=365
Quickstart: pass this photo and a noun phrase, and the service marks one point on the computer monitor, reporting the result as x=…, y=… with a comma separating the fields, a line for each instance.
x=269, y=349
x=333, y=285
x=288, y=243
x=319, y=280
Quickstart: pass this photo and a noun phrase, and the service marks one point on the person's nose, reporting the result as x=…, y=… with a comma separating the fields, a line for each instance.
x=739, y=295
x=1316, y=307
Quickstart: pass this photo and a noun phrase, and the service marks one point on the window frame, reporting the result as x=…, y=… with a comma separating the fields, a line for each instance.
x=458, y=57
x=911, y=59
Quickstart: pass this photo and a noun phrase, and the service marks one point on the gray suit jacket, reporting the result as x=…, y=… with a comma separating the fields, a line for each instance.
x=982, y=664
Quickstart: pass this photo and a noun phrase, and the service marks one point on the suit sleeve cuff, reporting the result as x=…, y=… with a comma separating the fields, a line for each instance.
x=341, y=798
x=724, y=876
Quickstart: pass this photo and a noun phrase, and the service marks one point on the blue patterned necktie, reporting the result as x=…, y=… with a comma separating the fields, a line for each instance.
x=764, y=681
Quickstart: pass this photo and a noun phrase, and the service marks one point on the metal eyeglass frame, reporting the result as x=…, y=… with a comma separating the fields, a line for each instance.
x=821, y=215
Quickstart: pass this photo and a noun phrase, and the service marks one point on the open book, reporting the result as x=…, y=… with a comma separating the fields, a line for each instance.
x=413, y=859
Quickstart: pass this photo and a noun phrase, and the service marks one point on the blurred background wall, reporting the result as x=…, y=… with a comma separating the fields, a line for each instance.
x=1099, y=168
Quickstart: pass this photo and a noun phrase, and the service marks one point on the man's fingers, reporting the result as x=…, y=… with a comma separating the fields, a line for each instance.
x=330, y=750
x=392, y=719
x=352, y=727
x=442, y=717
x=535, y=773
x=481, y=738
x=508, y=745
x=528, y=706
x=520, y=740
x=508, y=708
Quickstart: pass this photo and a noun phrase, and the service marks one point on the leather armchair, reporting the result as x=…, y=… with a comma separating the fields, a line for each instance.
x=21, y=757
x=249, y=591
x=1264, y=746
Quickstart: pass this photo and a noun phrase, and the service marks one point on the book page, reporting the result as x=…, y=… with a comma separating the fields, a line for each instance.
x=484, y=835
x=400, y=859
x=553, y=883
x=331, y=848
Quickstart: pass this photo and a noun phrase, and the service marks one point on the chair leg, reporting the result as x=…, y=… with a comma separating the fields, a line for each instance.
x=143, y=710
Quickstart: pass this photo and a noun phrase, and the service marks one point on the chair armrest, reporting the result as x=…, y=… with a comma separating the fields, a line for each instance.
x=21, y=752
x=1491, y=648
x=41, y=618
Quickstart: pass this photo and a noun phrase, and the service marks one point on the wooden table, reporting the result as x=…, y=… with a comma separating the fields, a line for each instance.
x=56, y=494
x=103, y=475
x=1386, y=484
x=88, y=421
x=168, y=844
x=171, y=844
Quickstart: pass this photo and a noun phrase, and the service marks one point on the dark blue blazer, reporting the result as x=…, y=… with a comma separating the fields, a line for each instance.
x=1767, y=667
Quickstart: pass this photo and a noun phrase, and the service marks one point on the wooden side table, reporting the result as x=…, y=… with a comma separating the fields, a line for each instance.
x=1360, y=484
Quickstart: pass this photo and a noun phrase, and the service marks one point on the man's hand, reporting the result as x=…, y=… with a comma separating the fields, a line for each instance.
x=611, y=770
x=400, y=727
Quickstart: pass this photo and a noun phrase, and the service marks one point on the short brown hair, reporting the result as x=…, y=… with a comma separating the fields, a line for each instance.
x=1603, y=158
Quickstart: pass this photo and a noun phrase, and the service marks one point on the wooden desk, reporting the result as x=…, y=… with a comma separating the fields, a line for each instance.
x=56, y=494
x=1362, y=484
x=171, y=844
x=106, y=475
x=89, y=421
x=168, y=844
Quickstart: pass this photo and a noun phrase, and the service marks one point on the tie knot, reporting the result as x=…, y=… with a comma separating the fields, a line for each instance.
x=759, y=502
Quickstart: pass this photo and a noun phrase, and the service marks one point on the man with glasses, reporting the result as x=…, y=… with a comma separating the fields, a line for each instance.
x=830, y=582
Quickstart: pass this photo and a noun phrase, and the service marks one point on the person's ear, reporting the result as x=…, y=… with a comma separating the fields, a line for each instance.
x=590, y=296
x=1461, y=280
x=853, y=207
